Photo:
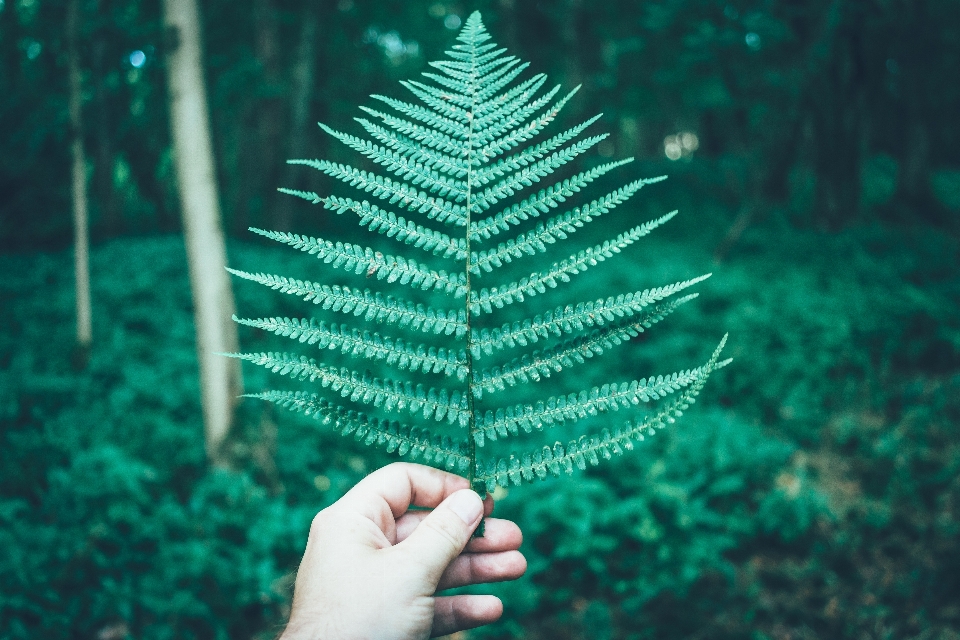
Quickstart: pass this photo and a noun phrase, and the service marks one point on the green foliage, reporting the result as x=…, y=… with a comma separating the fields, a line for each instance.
x=450, y=165
x=838, y=456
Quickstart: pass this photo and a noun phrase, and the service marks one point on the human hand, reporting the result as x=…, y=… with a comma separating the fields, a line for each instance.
x=371, y=567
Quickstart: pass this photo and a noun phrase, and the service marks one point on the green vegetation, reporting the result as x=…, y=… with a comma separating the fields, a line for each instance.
x=814, y=153
x=452, y=165
x=823, y=496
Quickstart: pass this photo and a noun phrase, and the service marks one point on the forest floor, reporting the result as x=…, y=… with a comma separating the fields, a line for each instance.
x=814, y=491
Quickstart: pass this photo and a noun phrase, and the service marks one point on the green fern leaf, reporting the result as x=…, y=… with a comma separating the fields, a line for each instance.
x=402, y=165
x=417, y=443
x=369, y=305
x=469, y=151
x=589, y=449
x=517, y=161
x=557, y=228
x=572, y=318
x=511, y=101
x=432, y=158
x=393, y=226
x=540, y=364
x=541, y=202
x=360, y=260
x=393, y=192
x=515, y=136
x=576, y=406
x=431, y=118
x=392, y=395
x=372, y=346
x=485, y=300
x=529, y=175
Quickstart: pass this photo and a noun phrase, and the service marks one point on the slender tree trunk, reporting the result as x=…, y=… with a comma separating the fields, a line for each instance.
x=103, y=192
x=304, y=73
x=220, y=380
x=81, y=230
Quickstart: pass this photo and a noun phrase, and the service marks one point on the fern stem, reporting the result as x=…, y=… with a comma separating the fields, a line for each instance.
x=468, y=205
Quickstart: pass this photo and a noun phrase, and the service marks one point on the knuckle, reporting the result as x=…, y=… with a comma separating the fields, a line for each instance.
x=319, y=522
x=447, y=530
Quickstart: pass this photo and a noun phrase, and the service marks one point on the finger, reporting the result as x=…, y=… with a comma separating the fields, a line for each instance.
x=477, y=568
x=498, y=535
x=442, y=535
x=387, y=493
x=487, y=505
x=456, y=613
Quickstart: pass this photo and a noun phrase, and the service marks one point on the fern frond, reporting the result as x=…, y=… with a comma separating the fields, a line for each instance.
x=439, y=103
x=417, y=443
x=432, y=96
x=426, y=116
x=557, y=228
x=350, y=257
x=538, y=282
x=494, y=82
x=432, y=158
x=576, y=406
x=540, y=364
x=588, y=449
x=463, y=70
x=371, y=306
x=571, y=318
x=392, y=395
x=517, y=161
x=473, y=60
x=401, y=165
x=393, y=226
x=527, y=176
x=540, y=202
x=480, y=65
x=514, y=135
x=510, y=119
x=424, y=135
x=491, y=81
x=393, y=192
x=506, y=105
x=389, y=224
x=455, y=85
x=455, y=153
x=373, y=346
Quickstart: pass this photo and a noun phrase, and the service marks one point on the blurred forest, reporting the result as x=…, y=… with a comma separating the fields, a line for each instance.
x=813, y=149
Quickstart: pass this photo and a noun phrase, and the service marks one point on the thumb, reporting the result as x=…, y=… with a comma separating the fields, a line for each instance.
x=443, y=534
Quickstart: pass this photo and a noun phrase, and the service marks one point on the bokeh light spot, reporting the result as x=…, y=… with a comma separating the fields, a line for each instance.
x=137, y=59
x=33, y=50
x=452, y=21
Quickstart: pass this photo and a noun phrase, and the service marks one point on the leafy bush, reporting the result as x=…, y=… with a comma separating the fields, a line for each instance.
x=820, y=502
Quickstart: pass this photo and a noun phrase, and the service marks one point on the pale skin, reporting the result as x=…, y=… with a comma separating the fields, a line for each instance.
x=372, y=567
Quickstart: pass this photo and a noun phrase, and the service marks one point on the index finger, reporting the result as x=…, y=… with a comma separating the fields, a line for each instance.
x=400, y=485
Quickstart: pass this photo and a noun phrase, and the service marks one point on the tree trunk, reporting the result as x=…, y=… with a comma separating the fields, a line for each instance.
x=81, y=232
x=304, y=73
x=103, y=192
x=220, y=381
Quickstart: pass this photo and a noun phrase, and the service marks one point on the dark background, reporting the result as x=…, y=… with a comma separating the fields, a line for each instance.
x=813, y=492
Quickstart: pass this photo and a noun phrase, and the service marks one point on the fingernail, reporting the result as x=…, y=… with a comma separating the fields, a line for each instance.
x=466, y=504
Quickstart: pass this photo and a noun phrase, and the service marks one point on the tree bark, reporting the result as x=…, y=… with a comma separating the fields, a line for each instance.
x=220, y=381
x=81, y=231
x=110, y=222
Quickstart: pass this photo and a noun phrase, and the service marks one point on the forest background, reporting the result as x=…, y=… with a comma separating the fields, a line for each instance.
x=813, y=149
